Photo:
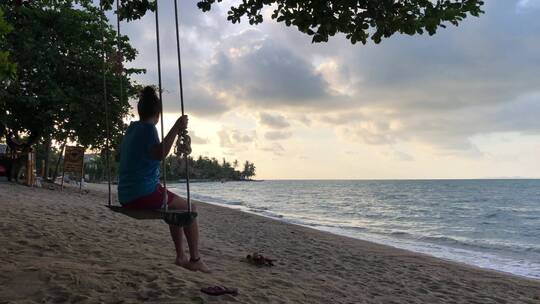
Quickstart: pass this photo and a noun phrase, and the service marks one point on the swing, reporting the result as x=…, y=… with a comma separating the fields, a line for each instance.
x=182, y=149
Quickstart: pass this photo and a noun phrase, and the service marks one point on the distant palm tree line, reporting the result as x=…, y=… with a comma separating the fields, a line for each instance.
x=202, y=168
x=208, y=169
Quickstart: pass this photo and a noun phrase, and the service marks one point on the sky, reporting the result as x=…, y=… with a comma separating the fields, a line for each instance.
x=464, y=103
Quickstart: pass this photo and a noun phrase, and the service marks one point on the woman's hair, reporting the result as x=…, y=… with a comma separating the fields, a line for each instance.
x=149, y=104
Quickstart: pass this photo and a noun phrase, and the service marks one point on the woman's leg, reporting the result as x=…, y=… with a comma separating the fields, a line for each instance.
x=192, y=235
x=178, y=238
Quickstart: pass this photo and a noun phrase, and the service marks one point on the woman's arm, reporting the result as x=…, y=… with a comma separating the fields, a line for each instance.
x=162, y=150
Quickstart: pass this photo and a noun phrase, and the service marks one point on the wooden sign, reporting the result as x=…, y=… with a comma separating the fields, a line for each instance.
x=74, y=159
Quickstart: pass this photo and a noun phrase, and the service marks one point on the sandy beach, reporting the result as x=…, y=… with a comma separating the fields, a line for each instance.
x=66, y=247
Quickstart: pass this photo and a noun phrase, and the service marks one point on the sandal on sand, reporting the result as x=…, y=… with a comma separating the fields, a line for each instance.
x=219, y=290
x=259, y=260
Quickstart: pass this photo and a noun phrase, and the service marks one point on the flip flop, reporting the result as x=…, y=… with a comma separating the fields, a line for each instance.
x=259, y=259
x=219, y=290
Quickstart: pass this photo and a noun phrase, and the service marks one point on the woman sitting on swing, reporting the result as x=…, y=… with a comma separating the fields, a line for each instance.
x=139, y=172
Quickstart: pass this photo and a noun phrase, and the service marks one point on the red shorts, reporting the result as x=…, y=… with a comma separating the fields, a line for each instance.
x=151, y=201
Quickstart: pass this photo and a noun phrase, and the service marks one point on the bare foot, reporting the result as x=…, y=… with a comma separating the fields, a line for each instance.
x=181, y=261
x=197, y=266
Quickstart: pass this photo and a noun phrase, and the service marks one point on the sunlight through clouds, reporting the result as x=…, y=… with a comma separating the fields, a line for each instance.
x=422, y=106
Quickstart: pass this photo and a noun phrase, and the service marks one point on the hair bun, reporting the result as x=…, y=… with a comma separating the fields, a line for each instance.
x=149, y=103
x=148, y=91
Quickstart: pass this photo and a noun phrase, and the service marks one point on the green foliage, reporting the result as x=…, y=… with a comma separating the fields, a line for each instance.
x=358, y=20
x=47, y=154
x=58, y=92
x=205, y=168
x=130, y=9
x=7, y=67
x=95, y=167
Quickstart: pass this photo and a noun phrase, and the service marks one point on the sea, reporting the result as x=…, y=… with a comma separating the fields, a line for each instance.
x=492, y=224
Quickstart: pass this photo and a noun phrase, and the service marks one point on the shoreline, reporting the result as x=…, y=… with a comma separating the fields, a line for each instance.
x=67, y=246
x=281, y=219
x=483, y=259
x=387, y=244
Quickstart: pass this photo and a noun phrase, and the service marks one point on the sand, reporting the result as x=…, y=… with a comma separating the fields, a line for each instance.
x=66, y=247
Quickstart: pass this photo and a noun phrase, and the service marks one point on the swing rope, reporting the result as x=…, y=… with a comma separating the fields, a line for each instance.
x=186, y=157
x=120, y=56
x=107, y=126
x=174, y=217
x=163, y=166
x=183, y=135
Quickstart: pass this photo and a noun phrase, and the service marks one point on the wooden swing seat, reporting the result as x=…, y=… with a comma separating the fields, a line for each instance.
x=171, y=217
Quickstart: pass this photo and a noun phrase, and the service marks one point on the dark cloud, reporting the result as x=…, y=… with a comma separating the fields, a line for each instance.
x=193, y=24
x=203, y=103
x=479, y=78
x=275, y=121
x=485, y=61
x=262, y=73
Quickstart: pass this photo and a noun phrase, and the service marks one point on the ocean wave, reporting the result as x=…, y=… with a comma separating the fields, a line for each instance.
x=235, y=203
x=399, y=233
x=480, y=245
x=265, y=212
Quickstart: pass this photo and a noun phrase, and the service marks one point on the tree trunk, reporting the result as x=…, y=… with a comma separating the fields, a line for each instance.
x=58, y=162
x=47, y=150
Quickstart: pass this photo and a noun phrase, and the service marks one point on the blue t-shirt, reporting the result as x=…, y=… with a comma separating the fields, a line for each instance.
x=139, y=171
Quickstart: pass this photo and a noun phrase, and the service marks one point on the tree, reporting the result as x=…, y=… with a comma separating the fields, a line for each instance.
x=357, y=20
x=63, y=50
x=205, y=168
x=95, y=168
x=7, y=67
x=249, y=170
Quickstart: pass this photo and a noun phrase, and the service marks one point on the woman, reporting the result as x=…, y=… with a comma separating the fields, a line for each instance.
x=139, y=187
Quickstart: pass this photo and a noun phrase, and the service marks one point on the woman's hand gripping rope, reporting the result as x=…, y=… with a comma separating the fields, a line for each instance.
x=183, y=145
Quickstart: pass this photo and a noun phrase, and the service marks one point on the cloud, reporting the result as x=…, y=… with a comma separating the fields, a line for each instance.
x=275, y=121
x=440, y=91
x=234, y=139
x=527, y=4
x=198, y=140
x=277, y=135
x=204, y=103
x=304, y=119
x=479, y=78
x=259, y=72
x=448, y=131
x=198, y=35
x=402, y=156
x=275, y=148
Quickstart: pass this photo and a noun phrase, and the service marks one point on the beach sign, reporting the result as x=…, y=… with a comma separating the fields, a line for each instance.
x=74, y=159
x=73, y=162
